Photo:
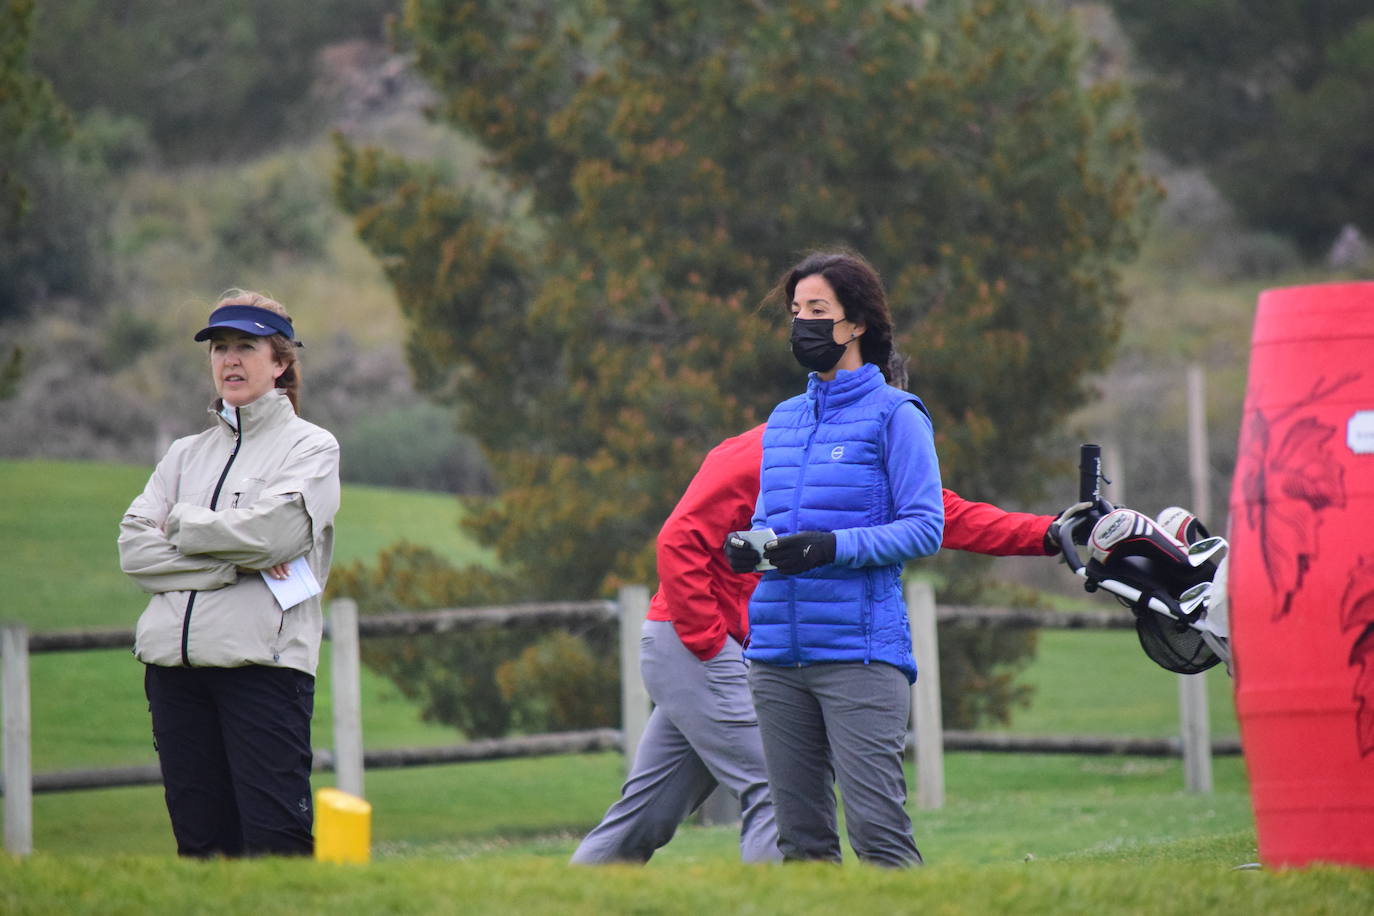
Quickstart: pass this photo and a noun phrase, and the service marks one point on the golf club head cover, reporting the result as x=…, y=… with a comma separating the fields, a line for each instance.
x=1129, y=546
x=1125, y=533
x=1181, y=525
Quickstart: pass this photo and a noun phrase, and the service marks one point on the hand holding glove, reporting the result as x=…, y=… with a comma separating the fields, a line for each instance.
x=1081, y=510
x=796, y=553
x=741, y=554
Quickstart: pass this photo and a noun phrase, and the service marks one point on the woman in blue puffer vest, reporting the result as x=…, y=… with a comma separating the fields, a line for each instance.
x=851, y=487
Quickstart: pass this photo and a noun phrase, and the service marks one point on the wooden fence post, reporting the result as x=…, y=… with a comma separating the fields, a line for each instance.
x=347, y=696
x=926, y=721
x=1192, y=688
x=18, y=760
x=634, y=699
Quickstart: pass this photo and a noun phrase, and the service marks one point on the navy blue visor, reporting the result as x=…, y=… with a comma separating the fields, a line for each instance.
x=250, y=319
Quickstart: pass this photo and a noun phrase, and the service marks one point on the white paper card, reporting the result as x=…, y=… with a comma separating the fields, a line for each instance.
x=756, y=539
x=300, y=583
x=1359, y=432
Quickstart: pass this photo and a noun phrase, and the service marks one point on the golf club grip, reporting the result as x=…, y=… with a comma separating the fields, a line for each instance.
x=1089, y=472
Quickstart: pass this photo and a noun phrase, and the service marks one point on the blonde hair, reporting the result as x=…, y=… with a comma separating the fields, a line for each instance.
x=283, y=350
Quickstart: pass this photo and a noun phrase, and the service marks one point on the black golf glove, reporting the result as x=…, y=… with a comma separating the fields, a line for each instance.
x=741, y=554
x=796, y=553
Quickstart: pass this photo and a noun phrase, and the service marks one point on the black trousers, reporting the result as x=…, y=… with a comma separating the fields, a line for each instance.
x=234, y=745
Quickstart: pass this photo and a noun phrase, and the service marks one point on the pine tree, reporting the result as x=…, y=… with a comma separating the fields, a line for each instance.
x=599, y=320
x=1271, y=98
x=32, y=124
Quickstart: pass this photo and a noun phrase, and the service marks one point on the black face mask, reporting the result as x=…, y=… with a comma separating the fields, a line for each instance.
x=813, y=343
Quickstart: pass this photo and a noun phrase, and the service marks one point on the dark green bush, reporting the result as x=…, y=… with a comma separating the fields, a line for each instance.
x=59, y=248
x=564, y=681
x=979, y=667
x=212, y=81
x=280, y=210
x=487, y=682
x=416, y=446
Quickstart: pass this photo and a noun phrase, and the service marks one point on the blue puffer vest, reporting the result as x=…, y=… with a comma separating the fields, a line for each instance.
x=822, y=471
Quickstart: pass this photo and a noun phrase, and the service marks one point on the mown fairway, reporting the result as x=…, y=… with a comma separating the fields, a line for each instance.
x=1188, y=885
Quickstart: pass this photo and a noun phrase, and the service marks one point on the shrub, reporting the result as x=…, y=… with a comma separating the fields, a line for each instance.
x=60, y=247
x=417, y=446
x=564, y=681
x=279, y=210
x=978, y=668
x=489, y=681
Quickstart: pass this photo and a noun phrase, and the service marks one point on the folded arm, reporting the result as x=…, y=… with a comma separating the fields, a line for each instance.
x=272, y=531
x=149, y=558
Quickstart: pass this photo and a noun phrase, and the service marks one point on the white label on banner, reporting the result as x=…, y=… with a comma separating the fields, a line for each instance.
x=1359, y=434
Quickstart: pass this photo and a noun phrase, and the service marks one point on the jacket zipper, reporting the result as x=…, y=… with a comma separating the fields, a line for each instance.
x=796, y=522
x=214, y=503
x=867, y=615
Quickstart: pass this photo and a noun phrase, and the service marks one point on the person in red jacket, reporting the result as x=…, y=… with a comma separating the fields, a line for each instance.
x=702, y=731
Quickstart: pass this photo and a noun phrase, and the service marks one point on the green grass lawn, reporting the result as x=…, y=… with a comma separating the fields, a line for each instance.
x=59, y=567
x=999, y=808
x=1182, y=884
x=1019, y=831
x=1101, y=683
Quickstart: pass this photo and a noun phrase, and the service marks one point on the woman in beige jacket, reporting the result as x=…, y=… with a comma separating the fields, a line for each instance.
x=230, y=672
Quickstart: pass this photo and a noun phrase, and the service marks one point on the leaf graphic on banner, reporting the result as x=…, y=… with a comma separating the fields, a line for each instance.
x=1357, y=609
x=1357, y=603
x=1285, y=526
x=1286, y=486
x=1302, y=478
x=1362, y=654
x=1310, y=472
x=1251, y=464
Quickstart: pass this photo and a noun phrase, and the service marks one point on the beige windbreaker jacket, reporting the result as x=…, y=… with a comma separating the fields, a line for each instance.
x=221, y=500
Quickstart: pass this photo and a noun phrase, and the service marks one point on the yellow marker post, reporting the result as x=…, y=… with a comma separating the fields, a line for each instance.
x=343, y=827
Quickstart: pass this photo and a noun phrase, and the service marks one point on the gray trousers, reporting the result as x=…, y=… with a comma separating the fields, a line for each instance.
x=702, y=732
x=829, y=722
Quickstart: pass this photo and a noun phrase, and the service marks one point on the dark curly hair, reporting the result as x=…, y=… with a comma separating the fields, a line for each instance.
x=860, y=290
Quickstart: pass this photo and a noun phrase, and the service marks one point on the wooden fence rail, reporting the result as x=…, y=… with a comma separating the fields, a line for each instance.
x=589, y=741
x=348, y=760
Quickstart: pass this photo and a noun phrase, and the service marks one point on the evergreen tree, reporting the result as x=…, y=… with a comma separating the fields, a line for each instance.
x=660, y=163
x=33, y=125
x=1272, y=98
x=209, y=80
x=31, y=118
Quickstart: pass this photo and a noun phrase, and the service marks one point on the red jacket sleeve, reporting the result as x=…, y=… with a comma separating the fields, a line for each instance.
x=698, y=592
x=984, y=528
